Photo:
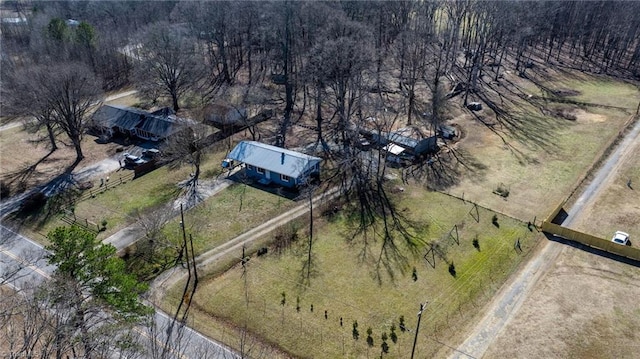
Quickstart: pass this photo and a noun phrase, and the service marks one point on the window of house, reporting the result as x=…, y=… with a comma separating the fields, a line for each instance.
x=260, y=170
x=284, y=178
x=250, y=167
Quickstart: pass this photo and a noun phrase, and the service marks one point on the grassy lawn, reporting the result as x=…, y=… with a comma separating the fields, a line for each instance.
x=228, y=214
x=542, y=160
x=350, y=283
x=119, y=205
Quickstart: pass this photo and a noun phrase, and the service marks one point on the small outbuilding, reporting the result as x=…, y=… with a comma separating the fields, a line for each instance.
x=410, y=146
x=271, y=164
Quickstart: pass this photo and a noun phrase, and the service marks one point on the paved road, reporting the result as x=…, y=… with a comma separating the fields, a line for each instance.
x=23, y=260
x=508, y=300
x=113, y=97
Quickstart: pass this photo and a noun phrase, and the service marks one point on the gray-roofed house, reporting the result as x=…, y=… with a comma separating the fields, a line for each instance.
x=111, y=120
x=271, y=164
x=156, y=128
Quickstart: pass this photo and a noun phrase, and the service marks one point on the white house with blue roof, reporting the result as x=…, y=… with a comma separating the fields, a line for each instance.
x=271, y=164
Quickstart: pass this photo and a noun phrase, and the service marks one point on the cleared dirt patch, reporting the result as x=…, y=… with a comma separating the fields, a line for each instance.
x=26, y=161
x=586, y=306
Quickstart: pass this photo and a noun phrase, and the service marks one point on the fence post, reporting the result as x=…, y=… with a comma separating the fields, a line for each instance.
x=86, y=223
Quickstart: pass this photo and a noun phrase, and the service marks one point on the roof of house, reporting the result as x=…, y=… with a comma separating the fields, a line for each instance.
x=272, y=158
x=116, y=116
x=160, y=126
x=161, y=123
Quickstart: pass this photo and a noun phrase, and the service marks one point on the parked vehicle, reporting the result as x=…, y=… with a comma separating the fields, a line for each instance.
x=621, y=238
x=151, y=153
x=132, y=160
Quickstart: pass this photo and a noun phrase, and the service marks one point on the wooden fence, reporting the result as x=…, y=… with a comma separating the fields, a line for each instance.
x=591, y=241
x=112, y=182
x=70, y=217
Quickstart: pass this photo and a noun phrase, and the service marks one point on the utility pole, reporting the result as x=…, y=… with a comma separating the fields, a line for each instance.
x=415, y=338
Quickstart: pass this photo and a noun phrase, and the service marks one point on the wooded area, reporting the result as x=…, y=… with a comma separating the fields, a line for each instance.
x=321, y=52
x=329, y=66
x=330, y=61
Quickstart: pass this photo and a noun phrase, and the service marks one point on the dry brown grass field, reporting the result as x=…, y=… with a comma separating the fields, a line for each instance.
x=541, y=161
x=586, y=306
x=618, y=207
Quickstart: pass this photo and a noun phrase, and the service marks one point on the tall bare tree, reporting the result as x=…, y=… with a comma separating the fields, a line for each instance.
x=24, y=96
x=71, y=89
x=169, y=64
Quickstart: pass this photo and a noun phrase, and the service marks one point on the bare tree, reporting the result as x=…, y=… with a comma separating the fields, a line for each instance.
x=71, y=90
x=57, y=96
x=188, y=147
x=168, y=63
x=26, y=97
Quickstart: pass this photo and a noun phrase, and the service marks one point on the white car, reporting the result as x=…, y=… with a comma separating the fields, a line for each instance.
x=620, y=238
x=132, y=160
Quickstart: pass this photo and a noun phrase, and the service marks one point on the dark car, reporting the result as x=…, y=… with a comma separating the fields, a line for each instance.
x=151, y=153
x=446, y=132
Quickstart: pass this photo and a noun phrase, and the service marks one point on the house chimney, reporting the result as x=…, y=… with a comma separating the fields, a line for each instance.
x=282, y=159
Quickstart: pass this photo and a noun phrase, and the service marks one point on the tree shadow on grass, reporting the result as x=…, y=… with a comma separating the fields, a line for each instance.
x=386, y=245
x=518, y=120
x=18, y=179
x=41, y=203
x=445, y=169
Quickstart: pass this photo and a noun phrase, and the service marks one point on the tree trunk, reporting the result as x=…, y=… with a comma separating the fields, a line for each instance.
x=319, y=112
x=412, y=100
x=174, y=101
x=78, y=147
x=196, y=174
x=52, y=136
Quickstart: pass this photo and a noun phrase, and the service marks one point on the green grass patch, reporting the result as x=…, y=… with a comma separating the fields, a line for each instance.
x=350, y=282
x=603, y=91
x=120, y=204
x=228, y=214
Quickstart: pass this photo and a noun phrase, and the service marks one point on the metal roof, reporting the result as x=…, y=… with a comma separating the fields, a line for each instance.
x=160, y=126
x=161, y=123
x=272, y=158
x=114, y=116
x=393, y=149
